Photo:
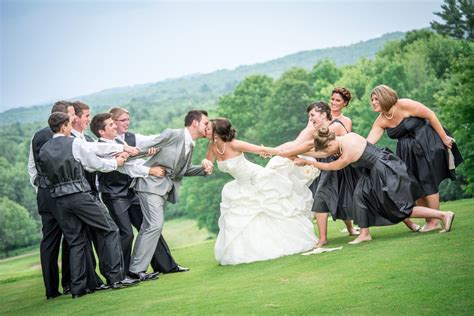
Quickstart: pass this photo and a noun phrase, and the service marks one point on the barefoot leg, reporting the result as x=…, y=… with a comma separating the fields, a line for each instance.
x=364, y=236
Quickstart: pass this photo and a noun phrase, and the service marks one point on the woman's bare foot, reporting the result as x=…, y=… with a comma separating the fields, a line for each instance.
x=320, y=244
x=448, y=218
x=431, y=224
x=412, y=226
x=360, y=239
x=353, y=232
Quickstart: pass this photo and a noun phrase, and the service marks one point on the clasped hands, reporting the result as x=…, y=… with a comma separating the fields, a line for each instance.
x=269, y=152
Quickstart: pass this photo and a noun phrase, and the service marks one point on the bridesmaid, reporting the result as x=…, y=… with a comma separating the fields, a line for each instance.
x=422, y=143
x=385, y=193
x=332, y=190
x=340, y=98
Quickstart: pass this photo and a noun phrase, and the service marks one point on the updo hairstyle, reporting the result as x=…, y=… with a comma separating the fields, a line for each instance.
x=344, y=93
x=222, y=127
x=322, y=138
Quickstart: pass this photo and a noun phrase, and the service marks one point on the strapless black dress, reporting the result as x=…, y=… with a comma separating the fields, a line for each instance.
x=333, y=191
x=385, y=193
x=424, y=153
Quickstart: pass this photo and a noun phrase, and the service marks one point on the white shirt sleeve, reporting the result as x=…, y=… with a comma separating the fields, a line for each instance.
x=89, y=159
x=101, y=149
x=32, y=166
x=140, y=139
x=135, y=169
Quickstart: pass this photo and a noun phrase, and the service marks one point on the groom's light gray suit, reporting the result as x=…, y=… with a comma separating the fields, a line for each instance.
x=153, y=192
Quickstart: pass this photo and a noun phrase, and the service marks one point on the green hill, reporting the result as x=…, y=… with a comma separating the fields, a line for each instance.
x=207, y=86
x=399, y=272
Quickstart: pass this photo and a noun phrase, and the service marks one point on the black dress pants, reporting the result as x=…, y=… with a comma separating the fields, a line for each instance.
x=126, y=213
x=78, y=212
x=50, y=244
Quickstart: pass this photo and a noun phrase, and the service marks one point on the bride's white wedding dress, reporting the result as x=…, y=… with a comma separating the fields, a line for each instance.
x=263, y=214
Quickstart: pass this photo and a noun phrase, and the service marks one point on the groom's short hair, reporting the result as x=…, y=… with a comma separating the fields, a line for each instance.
x=193, y=115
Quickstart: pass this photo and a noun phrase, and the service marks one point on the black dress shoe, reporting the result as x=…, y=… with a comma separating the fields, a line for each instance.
x=125, y=282
x=79, y=294
x=180, y=269
x=142, y=276
x=102, y=287
x=67, y=290
x=53, y=296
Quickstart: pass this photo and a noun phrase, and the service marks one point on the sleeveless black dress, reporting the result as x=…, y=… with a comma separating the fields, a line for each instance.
x=333, y=190
x=385, y=193
x=424, y=153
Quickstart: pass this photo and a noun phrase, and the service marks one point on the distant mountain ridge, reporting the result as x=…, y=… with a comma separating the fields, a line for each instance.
x=210, y=86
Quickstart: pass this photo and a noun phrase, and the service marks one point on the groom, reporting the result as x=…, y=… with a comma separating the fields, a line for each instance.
x=175, y=155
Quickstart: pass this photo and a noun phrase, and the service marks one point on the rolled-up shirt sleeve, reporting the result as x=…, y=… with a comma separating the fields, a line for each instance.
x=102, y=149
x=89, y=159
x=32, y=171
x=135, y=169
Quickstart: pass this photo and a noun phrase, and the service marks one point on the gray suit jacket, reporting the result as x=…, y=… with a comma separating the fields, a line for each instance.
x=172, y=156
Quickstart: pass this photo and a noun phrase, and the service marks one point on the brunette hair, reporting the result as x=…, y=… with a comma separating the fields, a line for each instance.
x=320, y=107
x=387, y=96
x=61, y=106
x=98, y=123
x=193, y=115
x=56, y=120
x=322, y=138
x=79, y=107
x=344, y=93
x=223, y=128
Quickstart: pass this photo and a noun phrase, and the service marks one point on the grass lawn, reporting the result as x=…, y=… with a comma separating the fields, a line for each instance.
x=399, y=272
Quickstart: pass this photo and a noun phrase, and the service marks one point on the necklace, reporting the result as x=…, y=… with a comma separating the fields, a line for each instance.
x=218, y=151
x=391, y=116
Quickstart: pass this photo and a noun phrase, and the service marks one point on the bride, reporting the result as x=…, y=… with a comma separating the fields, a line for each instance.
x=263, y=215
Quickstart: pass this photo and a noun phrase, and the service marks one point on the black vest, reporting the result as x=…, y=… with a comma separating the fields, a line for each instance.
x=39, y=139
x=90, y=176
x=66, y=175
x=114, y=183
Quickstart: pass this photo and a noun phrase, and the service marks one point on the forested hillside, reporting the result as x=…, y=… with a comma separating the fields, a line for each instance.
x=210, y=86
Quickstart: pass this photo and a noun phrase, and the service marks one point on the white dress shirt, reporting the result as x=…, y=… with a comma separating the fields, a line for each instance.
x=189, y=143
x=133, y=168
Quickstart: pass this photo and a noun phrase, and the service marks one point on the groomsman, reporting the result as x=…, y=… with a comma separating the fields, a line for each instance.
x=63, y=158
x=51, y=228
x=122, y=201
x=162, y=260
x=176, y=147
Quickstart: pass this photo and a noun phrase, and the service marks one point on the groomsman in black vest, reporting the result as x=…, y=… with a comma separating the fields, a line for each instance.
x=63, y=159
x=51, y=228
x=79, y=126
x=122, y=200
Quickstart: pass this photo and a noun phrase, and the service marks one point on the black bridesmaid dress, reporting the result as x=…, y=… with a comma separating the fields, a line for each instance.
x=424, y=153
x=385, y=193
x=333, y=190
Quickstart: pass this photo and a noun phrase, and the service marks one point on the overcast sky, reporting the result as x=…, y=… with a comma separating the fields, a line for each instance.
x=61, y=49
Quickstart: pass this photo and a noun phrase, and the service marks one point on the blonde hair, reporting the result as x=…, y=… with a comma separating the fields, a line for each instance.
x=116, y=112
x=387, y=96
x=322, y=138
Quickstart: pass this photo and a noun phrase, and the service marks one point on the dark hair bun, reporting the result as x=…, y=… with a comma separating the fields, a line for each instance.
x=323, y=132
x=223, y=128
x=229, y=135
